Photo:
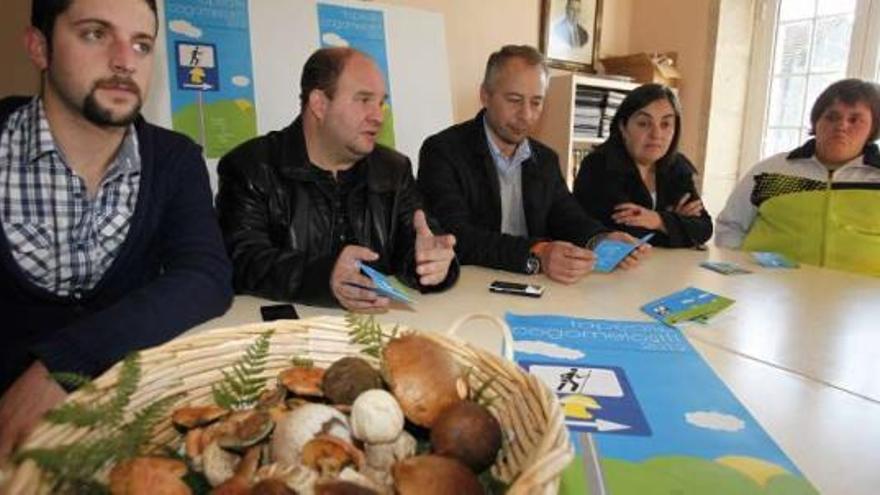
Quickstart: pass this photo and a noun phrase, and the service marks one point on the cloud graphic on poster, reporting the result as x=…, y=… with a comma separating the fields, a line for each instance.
x=180, y=26
x=715, y=421
x=547, y=349
x=241, y=81
x=334, y=39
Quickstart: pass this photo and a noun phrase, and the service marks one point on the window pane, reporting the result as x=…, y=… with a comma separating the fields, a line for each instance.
x=815, y=85
x=829, y=7
x=796, y=9
x=792, y=48
x=780, y=140
x=787, y=101
x=831, y=46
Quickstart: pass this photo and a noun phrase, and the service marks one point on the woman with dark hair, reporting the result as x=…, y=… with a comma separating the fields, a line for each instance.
x=637, y=181
x=820, y=203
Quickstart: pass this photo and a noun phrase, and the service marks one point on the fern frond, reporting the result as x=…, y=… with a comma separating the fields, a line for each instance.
x=136, y=434
x=242, y=385
x=74, y=381
x=88, y=413
x=73, y=467
x=302, y=362
x=366, y=331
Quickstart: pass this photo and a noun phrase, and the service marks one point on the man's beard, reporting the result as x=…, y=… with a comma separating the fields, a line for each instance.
x=101, y=116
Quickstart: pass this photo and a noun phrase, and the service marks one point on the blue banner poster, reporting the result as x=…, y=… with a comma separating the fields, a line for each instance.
x=646, y=414
x=364, y=30
x=210, y=72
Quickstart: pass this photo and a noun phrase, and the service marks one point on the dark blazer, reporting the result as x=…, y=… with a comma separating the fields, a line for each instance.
x=171, y=273
x=608, y=176
x=459, y=182
x=277, y=222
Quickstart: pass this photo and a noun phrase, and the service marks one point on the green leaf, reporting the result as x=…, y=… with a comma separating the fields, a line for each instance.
x=366, y=331
x=242, y=385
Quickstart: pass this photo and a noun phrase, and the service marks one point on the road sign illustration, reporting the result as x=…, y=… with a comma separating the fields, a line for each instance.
x=197, y=67
x=594, y=398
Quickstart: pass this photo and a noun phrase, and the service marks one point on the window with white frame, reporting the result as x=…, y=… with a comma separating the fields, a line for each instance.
x=800, y=47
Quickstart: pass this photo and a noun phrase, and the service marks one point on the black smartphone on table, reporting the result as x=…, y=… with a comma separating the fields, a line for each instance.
x=274, y=312
x=516, y=288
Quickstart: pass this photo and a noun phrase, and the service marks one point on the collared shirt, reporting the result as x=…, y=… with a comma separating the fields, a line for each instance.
x=62, y=240
x=513, y=217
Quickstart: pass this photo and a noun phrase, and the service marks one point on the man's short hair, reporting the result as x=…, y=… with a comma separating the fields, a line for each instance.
x=45, y=12
x=322, y=71
x=497, y=60
x=850, y=92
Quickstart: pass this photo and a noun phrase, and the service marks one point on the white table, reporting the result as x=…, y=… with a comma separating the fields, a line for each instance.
x=800, y=348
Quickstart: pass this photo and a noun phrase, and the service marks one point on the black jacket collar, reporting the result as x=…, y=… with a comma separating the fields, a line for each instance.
x=870, y=154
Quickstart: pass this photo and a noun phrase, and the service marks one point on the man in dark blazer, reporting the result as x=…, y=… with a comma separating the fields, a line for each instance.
x=500, y=192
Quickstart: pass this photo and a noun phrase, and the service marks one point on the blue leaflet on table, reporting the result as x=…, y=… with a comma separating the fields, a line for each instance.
x=774, y=260
x=690, y=304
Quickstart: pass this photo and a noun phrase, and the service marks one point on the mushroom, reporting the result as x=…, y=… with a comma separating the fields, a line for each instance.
x=245, y=429
x=376, y=417
x=303, y=381
x=423, y=377
x=190, y=417
x=381, y=456
x=240, y=482
x=148, y=475
x=329, y=455
x=271, y=486
x=468, y=432
x=298, y=478
x=337, y=487
x=302, y=424
x=218, y=463
x=434, y=475
x=347, y=378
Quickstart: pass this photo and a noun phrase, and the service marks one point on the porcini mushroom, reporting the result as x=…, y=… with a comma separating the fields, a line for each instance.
x=434, y=475
x=302, y=424
x=376, y=417
x=468, y=432
x=148, y=475
x=347, y=378
x=422, y=376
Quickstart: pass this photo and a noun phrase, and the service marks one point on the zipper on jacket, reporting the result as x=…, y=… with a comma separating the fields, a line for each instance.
x=825, y=212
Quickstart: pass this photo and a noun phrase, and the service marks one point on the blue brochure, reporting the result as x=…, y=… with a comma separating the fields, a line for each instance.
x=774, y=260
x=646, y=414
x=610, y=253
x=724, y=267
x=690, y=304
x=384, y=286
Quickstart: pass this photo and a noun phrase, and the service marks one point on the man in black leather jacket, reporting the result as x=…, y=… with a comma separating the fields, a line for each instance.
x=500, y=192
x=300, y=207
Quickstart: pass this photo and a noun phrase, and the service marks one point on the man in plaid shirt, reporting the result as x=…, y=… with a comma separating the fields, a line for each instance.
x=109, y=242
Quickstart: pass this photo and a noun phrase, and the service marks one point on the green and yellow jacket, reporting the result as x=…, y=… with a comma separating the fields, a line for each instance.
x=794, y=205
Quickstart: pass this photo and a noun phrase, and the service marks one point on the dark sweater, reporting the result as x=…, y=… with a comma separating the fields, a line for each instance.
x=171, y=273
x=608, y=177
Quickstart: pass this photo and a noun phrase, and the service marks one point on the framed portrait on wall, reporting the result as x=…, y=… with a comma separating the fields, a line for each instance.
x=570, y=33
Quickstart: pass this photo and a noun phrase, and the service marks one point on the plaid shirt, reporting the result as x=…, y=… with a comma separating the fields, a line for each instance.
x=62, y=240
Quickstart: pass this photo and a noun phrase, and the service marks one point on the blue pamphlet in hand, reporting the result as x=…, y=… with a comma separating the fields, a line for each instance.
x=690, y=304
x=384, y=286
x=774, y=260
x=610, y=252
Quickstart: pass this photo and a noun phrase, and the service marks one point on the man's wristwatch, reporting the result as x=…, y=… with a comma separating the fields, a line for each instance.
x=533, y=264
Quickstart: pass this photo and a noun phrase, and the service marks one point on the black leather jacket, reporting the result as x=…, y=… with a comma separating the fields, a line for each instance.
x=279, y=224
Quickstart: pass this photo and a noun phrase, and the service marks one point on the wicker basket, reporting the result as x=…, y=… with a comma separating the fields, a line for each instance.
x=535, y=453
